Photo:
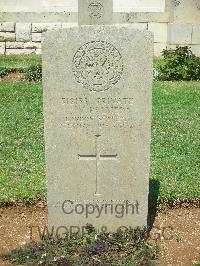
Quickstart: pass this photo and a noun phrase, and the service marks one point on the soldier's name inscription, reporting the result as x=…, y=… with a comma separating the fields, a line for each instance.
x=103, y=111
x=99, y=100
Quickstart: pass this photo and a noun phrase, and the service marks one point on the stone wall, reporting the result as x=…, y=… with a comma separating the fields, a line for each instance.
x=24, y=38
x=187, y=11
x=184, y=34
x=20, y=32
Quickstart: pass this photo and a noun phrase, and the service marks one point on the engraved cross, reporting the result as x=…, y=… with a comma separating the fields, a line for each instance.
x=97, y=157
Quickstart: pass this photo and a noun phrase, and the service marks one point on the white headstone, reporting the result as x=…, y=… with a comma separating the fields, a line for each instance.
x=97, y=108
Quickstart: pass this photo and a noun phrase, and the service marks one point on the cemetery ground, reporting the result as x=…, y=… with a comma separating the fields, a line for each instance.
x=175, y=177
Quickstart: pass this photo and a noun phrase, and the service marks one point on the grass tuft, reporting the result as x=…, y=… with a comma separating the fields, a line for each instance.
x=19, y=63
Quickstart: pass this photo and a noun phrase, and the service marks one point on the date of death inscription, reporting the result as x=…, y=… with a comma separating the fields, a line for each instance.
x=84, y=112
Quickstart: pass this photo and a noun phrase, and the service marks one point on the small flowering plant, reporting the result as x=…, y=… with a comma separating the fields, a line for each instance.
x=120, y=248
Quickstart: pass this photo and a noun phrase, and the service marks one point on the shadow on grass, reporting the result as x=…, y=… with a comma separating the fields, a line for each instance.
x=154, y=187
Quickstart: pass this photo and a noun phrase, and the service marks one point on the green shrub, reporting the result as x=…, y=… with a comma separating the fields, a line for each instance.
x=179, y=64
x=34, y=73
x=3, y=71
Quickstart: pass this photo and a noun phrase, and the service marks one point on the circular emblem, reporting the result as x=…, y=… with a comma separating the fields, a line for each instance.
x=97, y=65
x=95, y=10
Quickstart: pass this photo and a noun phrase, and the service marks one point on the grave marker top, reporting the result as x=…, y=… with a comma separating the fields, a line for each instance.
x=91, y=12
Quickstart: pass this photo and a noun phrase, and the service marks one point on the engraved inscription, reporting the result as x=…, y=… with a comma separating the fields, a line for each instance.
x=97, y=65
x=97, y=157
x=99, y=111
x=95, y=10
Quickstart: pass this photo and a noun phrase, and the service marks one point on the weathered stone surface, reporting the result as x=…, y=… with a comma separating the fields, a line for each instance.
x=160, y=31
x=133, y=17
x=180, y=33
x=140, y=26
x=137, y=26
x=43, y=17
x=69, y=25
x=2, y=48
x=97, y=108
x=33, y=45
x=42, y=27
x=39, y=27
x=23, y=32
x=95, y=12
x=186, y=11
x=20, y=51
x=38, y=51
x=14, y=45
x=7, y=36
x=36, y=37
x=7, y=26
x=158, y=48
x=195, y=49
x=196, y=34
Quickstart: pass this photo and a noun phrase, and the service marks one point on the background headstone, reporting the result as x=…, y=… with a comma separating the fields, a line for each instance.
x=91, y=12
x=97, y=107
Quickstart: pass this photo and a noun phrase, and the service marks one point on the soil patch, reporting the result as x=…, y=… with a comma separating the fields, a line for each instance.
x=179, y=241
x=12, y=77
x=15, y=226
x=176, y=230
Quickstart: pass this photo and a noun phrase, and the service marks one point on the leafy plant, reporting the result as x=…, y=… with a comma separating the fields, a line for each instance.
x=3, y=71
x=179, y=64
x=178, y=237
x=34, y=73
x=121, y=248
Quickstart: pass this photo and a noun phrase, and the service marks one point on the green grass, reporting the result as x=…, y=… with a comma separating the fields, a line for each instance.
x=21, y=62
x=175, y=149
x=17, y=62
x=22, y=144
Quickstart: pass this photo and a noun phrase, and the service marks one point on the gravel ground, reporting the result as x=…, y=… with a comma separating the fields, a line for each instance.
x=176, y=230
